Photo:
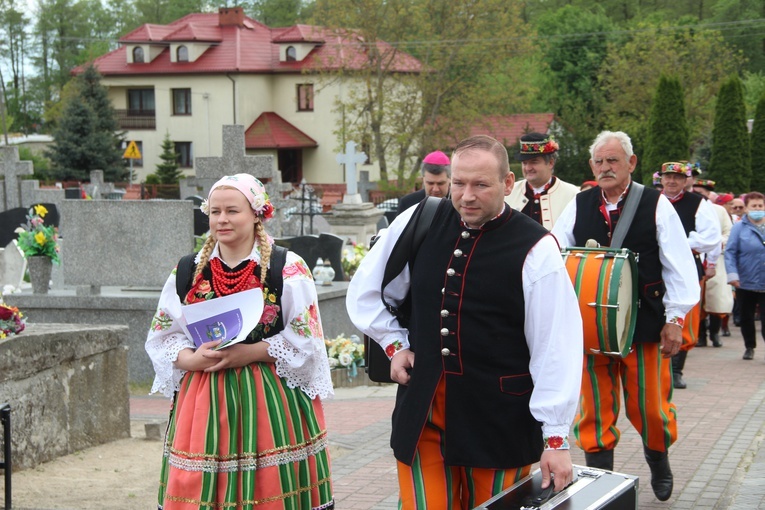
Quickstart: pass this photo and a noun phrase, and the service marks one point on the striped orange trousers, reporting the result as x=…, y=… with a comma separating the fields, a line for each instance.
x=429, y=484
x=645, y=376
x=692, y=319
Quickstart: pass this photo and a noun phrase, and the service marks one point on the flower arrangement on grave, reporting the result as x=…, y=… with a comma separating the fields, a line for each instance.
x=12, y=321
x=36, y=238
x=344, y=352
x=353, y=257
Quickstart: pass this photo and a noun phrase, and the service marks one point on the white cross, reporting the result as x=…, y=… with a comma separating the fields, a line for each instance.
x=350, y=159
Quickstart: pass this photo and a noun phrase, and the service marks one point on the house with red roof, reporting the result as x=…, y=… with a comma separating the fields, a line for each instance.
x=206, y=70
x=508, y=129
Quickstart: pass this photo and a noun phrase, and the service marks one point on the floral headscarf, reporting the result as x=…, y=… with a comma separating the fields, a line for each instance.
x=251, y=188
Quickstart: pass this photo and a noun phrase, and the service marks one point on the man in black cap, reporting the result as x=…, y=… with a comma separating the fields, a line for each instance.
x=704, y=236
x=540, y=195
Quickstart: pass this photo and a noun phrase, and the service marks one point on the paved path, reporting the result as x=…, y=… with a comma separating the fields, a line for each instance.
x=717, y=460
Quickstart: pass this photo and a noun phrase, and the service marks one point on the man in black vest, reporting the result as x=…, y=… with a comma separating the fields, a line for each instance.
x=667, y=290
x=702, y=228
x=436, y=174
x=496, y=332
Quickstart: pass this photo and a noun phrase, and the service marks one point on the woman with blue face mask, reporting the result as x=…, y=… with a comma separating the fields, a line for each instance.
x=745, y=261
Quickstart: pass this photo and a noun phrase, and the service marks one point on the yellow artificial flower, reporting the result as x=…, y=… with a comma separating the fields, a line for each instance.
x=40, y=238
x=41, y=211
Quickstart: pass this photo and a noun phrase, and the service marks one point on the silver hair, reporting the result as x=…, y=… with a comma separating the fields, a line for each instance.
x=605, y=136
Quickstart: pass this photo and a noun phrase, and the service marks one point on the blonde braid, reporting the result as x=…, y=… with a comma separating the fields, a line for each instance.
x=265, y=251
x=204, y=258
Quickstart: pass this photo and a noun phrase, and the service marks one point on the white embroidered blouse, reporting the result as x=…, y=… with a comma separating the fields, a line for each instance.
x=301, y=356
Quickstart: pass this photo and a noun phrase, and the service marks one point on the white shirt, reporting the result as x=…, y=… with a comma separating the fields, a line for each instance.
x=678, y=267
x=553, y=324
x=301, y=356
x=707, y=237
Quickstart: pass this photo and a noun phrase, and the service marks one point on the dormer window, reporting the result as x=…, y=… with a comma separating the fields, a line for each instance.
x=182, y=54
x=291, y=54
x=138, y=55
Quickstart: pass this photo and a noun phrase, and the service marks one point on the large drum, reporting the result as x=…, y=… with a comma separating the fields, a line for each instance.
x=605, y=280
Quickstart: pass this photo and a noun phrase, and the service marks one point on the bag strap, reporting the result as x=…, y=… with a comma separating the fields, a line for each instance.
x=409, y=243
x=628, y=214
x=278, y=259
x=183, y=274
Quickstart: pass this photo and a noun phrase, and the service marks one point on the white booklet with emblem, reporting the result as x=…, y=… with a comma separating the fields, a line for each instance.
x=228, y=318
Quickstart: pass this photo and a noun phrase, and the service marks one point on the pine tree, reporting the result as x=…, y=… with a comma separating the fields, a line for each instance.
x=168, y=171
x=758, y=149
x=730, y=164
x=668, y=133
x=87, y=137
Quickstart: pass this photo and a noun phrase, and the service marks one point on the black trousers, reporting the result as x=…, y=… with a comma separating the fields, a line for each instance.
x=748, y=301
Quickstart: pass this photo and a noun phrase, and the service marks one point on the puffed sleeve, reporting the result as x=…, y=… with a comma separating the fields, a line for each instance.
x=166, y=339
x=299, y=349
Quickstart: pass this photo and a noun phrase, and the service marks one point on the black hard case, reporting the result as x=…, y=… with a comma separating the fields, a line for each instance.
x=594, y=489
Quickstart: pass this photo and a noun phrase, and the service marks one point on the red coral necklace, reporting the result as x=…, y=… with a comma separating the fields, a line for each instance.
x=225, y=282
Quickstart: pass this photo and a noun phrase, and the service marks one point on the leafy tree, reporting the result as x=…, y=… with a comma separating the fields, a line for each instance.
x=86, y=138
x=754, y=89
x=667, y=127
x=405, y=115
x=574, y=43
x=758, y=148
x=168, y=171
x=744, y=29
x=731, y=159
x=701, y=60
x=277, y=13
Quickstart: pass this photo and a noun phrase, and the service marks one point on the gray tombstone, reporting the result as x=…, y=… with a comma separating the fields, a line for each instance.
x=12, y=168
x=125, y=242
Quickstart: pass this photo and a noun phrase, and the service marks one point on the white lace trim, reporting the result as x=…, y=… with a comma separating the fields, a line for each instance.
x=309, y=372
x=210, y=464
x=164, y=352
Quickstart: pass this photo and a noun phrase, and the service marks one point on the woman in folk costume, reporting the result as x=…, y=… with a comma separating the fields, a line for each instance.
x=247, y=426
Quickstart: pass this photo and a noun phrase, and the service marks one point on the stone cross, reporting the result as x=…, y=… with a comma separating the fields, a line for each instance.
x=350, y=159
x=234, y=159
x=11, y=167
x=98, y=187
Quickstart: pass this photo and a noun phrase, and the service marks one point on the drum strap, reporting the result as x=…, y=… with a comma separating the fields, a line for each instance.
x=628, y=214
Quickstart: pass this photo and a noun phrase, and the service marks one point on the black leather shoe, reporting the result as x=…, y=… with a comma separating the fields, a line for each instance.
x=603, y=459
x=678, y=382
x=725, y=332
x=701, y=342
x=749, y=354
x=661, y=474
x=715, y=339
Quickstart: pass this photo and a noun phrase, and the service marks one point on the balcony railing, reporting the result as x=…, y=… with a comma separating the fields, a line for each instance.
x=136, y=119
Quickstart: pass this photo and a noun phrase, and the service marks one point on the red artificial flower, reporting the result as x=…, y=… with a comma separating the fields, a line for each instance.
x=6, y=312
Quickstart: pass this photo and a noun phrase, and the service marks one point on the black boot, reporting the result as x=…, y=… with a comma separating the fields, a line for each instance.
x=661, y=474
x=678, y=363
x=702, y=341
x=715, y=322
x=603, y=459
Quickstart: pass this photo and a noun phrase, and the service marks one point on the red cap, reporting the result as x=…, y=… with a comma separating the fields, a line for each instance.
x=436, y=158
x=724, y=199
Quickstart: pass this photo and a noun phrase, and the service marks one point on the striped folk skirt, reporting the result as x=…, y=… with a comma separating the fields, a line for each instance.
x=240, y=439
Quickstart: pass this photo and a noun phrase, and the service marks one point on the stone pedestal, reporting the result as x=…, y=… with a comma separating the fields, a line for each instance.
x=67, y=387
x=358, y=222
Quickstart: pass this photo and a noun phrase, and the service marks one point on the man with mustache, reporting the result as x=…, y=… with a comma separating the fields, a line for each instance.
x=667, y=290
x=540, y=195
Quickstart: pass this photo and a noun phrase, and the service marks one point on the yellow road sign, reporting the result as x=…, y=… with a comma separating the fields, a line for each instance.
x=132, y=151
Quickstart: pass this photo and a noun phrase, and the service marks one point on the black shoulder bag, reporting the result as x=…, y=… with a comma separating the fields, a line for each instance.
x=404, y=252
